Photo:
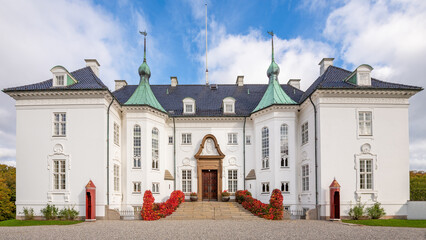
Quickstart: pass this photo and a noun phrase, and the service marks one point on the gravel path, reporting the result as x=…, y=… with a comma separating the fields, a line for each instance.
x=211, y=229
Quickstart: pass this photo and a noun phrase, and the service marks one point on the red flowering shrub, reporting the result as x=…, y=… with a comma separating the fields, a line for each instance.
x=272, y=211
x=154, y=211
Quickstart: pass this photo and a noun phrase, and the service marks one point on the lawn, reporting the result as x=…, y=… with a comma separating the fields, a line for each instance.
x=390, y=222
x=15, y=223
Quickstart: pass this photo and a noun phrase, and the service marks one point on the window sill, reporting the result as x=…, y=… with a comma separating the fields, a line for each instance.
x=263, y=169
x=59, y=138
x=285, y=167
x=264, y=193
x=136, y=193
x=285, y=192
x=155, y=193
x=186, y=144
x=365, y=137
x=136, y=168
x=306, y=193
x=232, y=144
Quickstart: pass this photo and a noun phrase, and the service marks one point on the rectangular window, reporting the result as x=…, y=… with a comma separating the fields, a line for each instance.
x=59, y=124
x=170, y=140
x=248, y=140
x=265, y=187
x=189, y=108
x=186, y=181
x=186, y=138
x=229, y=108
x=232, y=180
x=59, y=175
x=116, y=134
x=137, y=147
x=365, y=174
x=305, y=178
x=285, y=187
x=232, y=139
x=137, y=187
x=116, y=178
x=265, y=148
x=305, y=136
x=365, y=123
x=155, y=188
x=60, y=80
x=287, y=208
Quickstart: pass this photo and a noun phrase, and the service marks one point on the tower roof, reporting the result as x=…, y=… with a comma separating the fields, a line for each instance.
x=143, y=94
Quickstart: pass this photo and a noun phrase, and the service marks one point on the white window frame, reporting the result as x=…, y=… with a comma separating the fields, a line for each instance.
x=232, y=180
x=155, y=188
x=60, y=80
x=155, y=148
x=116, y=134
x=116, y=178
x=232, y=138
x=186, y=138
x=304, y=132
x=285, y=187
x=186, y=181
x=363, y=123
x=284, y=150
x=366, y=155
x=305, y=177
x=171, y=140
x=137, y=146
x=137, y=188
x=248, y=140
x=265, y=147
x=186, y=103
x=59, y=125
x=265, y=188
x=59, y=171
x=229, y=105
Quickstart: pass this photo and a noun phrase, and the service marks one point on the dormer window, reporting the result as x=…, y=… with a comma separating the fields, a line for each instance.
x=188, y=106
x=61, y=77
x=229, y=105
x=60, y=80
x=361, y=76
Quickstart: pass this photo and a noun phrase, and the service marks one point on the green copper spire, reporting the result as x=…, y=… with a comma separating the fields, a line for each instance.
x=274, y=94
x=143, y=94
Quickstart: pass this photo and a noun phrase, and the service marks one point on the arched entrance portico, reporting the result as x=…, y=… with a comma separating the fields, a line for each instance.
x=209, y=169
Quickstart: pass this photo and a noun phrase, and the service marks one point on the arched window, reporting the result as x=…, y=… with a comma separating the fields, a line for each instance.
x=136, y=146
x=284, y=145
x=265, y=147
x=155, y=153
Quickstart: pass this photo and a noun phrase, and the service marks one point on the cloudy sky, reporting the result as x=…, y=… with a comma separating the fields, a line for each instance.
x=387, y=34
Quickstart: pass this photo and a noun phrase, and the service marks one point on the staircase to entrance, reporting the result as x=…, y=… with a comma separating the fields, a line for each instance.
x=212, y=211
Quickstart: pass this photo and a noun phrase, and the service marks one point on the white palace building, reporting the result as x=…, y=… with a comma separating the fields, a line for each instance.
x=346, y=126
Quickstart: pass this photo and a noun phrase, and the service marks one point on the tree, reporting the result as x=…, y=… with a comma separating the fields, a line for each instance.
x=7, y=192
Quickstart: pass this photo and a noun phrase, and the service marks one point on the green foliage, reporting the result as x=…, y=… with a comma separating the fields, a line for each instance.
x=14, y=222
x=68, y=213
x=375, y=211
x=417, y=186
x=7, y=192
x=28, y=213
x=357, y=211
x=50, y=212
x=390, y=222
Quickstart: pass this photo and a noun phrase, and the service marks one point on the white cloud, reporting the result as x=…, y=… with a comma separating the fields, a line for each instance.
x=389, y=35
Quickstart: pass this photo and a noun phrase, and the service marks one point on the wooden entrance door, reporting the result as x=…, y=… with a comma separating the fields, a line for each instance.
x=209, y=185
x=336, y=205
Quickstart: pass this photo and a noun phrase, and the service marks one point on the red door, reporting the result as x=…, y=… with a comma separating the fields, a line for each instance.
x=209, y=185
x=337, y=205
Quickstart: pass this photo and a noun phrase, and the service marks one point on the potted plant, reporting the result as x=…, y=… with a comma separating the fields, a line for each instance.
x=193, y=196
x=225, y=196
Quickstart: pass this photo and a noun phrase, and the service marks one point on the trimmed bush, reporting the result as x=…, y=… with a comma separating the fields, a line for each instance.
x=50, y=212
x=68, y=213
x=154, y=211
x=375, y=211
x=356, y=212
x=271, y=211
x=28, y=213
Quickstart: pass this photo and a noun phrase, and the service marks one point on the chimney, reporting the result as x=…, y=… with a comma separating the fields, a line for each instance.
x=94, y=65
x=294, y=83
x=174, y=81
x=324, y=64
x=240, y=81
x=119, y=84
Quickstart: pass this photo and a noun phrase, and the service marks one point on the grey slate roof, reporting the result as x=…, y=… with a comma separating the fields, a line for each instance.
x=208, y=102
x=333, y=78
x=87, y=80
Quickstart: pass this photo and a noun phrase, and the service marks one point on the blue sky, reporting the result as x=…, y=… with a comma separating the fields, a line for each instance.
x=386, y=34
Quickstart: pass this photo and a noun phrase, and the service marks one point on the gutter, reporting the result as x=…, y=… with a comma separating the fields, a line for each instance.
x=108, y=150
x=244, y=153
x=174, y=153
x=316, y=157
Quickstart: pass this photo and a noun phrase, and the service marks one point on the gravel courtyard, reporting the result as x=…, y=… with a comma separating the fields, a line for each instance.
x=211, y=229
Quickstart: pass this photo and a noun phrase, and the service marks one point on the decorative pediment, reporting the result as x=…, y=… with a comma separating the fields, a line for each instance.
x=209, y=148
